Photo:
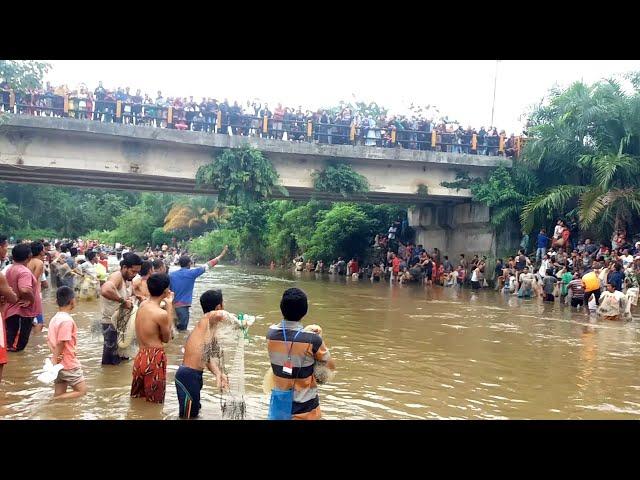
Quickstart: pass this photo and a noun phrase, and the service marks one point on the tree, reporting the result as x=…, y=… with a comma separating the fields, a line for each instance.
x=343, y=231
x=340, y=178
x=241, y=176
x=135, y=227
x=586, y=149
x=23, y=74
x=195, y=214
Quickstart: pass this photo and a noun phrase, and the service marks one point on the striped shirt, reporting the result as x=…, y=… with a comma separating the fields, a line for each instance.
x=306, y=348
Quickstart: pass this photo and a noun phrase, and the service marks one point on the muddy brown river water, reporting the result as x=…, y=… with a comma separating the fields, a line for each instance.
x=402, y=352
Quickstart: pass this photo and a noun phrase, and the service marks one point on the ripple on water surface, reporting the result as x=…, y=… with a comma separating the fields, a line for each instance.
x=402, y=352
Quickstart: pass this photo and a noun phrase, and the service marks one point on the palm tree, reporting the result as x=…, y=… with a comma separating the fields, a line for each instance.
x=586, y=147
x=194, y=214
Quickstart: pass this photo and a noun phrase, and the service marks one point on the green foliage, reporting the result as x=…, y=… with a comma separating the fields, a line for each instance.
x=211, y=244
x=159, y=236
x=103, y=236
x=423, y=190
x=23, y=74
x=9, y=215
x=462, y=181
x=358, y=108
x=250, y=225
x=135, y=227
x=586, y=150
x=340, y=178
x=344, y=231
x=241, y=177
x=33, y=233
x=290, y=226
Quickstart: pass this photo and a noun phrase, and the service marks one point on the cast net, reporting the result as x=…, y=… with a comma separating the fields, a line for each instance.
x=231, y=342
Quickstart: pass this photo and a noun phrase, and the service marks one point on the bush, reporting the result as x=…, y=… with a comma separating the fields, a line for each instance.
x=33, y=234
x=211, y=244
x=159, y=236
x=107, y=237
x=343, y=232
x=340, y=178
x=135, y=227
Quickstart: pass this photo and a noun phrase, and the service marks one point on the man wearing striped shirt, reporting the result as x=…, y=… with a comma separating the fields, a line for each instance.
x=293, y=352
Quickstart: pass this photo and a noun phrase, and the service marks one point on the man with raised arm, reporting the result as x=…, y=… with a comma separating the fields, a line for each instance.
x=182, y=283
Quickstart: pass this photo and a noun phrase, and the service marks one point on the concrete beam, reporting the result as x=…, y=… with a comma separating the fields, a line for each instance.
x=142, y=133
x=163, y=157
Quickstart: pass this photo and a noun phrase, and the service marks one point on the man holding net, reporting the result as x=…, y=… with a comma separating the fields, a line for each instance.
x=203, y=350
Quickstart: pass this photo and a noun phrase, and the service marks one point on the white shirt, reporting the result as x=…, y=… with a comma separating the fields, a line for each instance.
x=557, y=232
x=627, y=260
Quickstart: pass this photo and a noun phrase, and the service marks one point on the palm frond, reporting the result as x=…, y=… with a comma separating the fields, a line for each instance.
x=550, y=202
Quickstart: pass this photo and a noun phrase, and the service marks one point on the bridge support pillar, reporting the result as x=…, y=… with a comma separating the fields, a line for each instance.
x=463, y=228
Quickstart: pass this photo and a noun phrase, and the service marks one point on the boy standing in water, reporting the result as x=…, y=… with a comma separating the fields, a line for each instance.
x=201, y=350
x=293, y=352
x=62, y=339
x=153, y=328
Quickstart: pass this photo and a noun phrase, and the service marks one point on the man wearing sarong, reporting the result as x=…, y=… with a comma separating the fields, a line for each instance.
x=115, y=294
x=153, y=328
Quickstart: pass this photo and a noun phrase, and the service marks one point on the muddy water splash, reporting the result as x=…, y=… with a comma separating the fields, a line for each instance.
x=402, y=353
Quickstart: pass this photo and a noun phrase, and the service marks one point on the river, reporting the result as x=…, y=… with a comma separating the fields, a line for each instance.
x=402, y=352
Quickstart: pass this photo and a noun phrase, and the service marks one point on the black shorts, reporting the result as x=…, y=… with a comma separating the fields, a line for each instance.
x=548, y=297
x=475, y=285
x=188, y=386
x=596, y=293
x=577, y=301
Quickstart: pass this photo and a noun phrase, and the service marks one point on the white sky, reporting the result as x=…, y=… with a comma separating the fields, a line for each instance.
x=461, y=89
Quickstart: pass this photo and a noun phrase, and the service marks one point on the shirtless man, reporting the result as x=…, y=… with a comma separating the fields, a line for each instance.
x=159, y=266
x=153, y=328
x=36, y=265
x=114, y=295
x=201, y=350
x=139, y=283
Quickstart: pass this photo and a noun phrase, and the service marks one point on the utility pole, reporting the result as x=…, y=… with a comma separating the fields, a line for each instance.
x=495, y=84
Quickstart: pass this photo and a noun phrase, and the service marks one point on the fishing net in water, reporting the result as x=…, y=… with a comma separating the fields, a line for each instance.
x=231, y=341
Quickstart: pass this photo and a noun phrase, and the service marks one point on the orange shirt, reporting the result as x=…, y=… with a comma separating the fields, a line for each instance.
x=396, y=265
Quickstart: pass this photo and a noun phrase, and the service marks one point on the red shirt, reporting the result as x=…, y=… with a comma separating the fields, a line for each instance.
x=19, y=276
x=396, y=265
x=354, y=267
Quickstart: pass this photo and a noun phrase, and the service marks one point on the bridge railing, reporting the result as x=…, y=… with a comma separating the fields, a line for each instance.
x=110, y=110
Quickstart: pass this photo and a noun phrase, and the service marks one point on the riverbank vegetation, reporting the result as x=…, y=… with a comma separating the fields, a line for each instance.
x=581, y=162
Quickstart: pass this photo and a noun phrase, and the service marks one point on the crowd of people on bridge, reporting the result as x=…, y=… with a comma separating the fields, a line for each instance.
x=337, y=127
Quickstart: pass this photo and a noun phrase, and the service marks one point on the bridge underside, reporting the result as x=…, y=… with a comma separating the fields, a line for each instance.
x=161, y=183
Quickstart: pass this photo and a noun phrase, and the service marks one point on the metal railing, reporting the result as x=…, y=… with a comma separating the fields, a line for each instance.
x=229, y=121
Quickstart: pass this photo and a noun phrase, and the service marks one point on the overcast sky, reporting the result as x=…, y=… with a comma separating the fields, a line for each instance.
x=462, y=90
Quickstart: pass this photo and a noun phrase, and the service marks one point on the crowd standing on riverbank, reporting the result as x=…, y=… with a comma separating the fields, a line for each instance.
x=558, y=266
x=140, y=299
x=254, y=118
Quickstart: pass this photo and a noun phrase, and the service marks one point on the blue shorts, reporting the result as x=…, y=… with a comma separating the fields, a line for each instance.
x=39, y=320
x=188, y=385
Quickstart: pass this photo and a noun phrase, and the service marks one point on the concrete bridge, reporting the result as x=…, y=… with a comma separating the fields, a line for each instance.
x=93, y=154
